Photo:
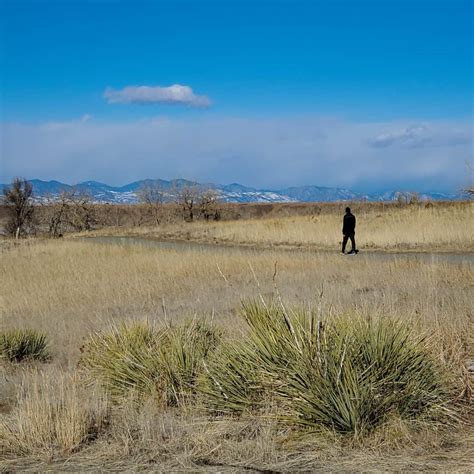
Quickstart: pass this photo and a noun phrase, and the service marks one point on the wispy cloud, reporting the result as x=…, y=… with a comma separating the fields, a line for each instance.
x=421, y=135
x=412, y=137
x=175, y=94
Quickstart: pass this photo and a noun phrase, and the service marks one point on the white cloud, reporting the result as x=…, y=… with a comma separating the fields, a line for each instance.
x=175, y=94
x=421, y=135
x=267, y=153
x=411, y=136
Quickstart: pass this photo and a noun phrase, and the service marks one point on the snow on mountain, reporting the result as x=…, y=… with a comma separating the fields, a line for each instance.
x=234, y=192
x=320, y=194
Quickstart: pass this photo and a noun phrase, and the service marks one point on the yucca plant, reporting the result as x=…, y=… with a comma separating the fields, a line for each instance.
x=183, y=354
x=365, y=370
x=121, y=359
x=348, y=373
x=141, y=358
x=24, y=344
x=232, y=382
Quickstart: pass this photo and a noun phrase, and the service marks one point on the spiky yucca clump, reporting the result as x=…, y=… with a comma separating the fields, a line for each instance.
x=140, y=358
x=121, y=358
x=24, y=344
x=348, y=373
x=233, y=382
x=183, y=353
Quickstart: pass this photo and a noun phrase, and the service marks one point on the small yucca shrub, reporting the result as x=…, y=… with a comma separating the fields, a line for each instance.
x=24, y=344
x=121, y=358
x=364, y=371
x=348, y=374
x=147, y=360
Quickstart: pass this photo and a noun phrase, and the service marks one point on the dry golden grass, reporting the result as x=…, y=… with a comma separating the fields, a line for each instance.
x=417, y=228
x=54, y=413
x=69, y=288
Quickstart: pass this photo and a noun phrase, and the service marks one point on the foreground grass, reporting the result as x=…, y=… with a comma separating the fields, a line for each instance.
x=71, y=289
x=363, y=385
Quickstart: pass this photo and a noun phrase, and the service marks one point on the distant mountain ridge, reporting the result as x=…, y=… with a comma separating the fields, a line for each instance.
x=127, y=194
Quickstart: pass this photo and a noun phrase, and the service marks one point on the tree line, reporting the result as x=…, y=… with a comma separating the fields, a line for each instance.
x=77, y=212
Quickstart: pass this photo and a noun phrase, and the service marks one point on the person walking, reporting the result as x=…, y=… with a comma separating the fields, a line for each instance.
x=348, y=231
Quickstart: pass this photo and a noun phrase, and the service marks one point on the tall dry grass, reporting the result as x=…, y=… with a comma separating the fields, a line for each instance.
x=54, y=414
x=71, y=288
x=392, y=228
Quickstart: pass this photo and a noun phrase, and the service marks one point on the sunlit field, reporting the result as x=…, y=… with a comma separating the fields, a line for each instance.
x=181, y=357
x=421, y=227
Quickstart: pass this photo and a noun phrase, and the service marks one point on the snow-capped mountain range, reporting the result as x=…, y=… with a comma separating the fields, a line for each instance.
x=127, y=194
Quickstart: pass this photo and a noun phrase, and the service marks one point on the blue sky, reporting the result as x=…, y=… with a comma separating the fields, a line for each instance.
x=370, y=83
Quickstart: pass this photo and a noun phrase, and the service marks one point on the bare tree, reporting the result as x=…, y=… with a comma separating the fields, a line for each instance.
x=198, y=201
x=55, y=214
x=187, y=198
x=152, y=196
x=82, y=215
x=408, y=197
x=469, y=189
x=18, y=198
x=209, y=204
x=71, y=210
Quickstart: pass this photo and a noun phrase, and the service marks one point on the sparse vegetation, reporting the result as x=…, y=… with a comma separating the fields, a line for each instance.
x=417, y=227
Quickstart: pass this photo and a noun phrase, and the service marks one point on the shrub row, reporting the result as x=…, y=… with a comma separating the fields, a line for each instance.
x=348, y=373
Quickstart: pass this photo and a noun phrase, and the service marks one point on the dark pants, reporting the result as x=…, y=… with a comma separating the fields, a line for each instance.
x=353, y=242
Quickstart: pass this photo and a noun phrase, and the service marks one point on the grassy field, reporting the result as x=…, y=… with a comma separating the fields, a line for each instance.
x=440, y=227
x=56, y=413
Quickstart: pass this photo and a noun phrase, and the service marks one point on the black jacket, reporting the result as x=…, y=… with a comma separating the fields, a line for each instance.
x=349, y=224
